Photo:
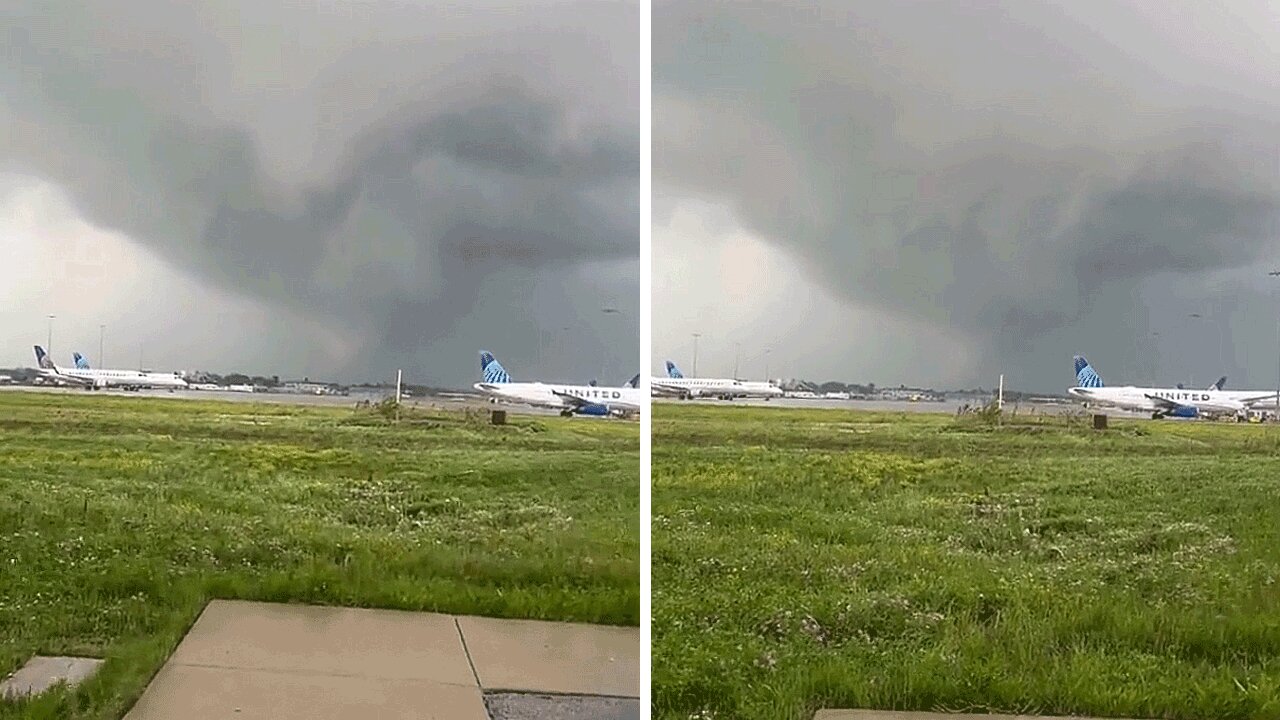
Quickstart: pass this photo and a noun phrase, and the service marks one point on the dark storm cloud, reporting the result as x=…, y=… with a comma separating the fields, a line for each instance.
x=995, y=168
x=376, y=163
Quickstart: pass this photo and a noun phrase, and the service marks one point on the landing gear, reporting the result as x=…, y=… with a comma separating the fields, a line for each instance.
x=566, y=413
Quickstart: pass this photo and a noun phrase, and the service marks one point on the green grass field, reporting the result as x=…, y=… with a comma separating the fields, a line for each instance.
x=121, y=517
x=806, y=559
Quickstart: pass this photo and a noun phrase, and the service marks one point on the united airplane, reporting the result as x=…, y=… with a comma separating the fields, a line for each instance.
x=677, y=385
x=94, y=379
x=568, y=399
x=1165, y=402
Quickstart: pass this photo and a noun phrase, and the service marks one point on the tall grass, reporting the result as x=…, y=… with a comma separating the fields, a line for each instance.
x=807, y=559
x=121, y=517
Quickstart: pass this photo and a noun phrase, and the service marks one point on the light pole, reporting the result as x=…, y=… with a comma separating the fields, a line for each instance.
x=1222, y=336
x=737, y=357
x=607, y=310
x=1191, y=378
x=766, y=364
x=1155, y=355
x=1276, y=274
x=102, y=331
x=695, y=353
x=1222, y=361
x=566, y=357
x=48, y=342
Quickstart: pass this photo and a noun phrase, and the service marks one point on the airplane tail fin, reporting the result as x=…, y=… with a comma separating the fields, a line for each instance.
x=1222, y=383
x=43, y=360
x=82, y=363
x=634, y=382
x=491, y=369
x=673, y=371
x=1086, y=376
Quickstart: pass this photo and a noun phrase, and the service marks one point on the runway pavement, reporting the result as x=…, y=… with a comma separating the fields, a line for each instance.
x=462, y=400
x=456, y=402
x=948, y=407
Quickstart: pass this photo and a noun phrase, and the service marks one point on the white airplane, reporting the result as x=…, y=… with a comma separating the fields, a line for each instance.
x=677, y=385
x=94, y=379
x=568, y=399
x=1166, y=402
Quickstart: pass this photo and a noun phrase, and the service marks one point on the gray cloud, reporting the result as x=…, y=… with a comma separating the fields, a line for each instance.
x=380, y=165
x=1017, y=172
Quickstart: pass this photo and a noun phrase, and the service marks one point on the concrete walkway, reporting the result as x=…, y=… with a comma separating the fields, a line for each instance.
x=246, y=661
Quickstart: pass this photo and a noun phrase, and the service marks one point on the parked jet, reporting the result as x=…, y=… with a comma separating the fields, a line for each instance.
x=677, y=385
x=568, y=399
x=1165, y=402
x=94, y=379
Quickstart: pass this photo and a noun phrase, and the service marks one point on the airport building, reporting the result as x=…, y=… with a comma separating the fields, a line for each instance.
x=306, y=387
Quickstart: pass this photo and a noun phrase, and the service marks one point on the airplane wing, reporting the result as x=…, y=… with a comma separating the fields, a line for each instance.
x=664, y=388
x=1252, y=399
x=579, y=403
x=574, y=400
x=71, y=379
x=1165, y=403
x=583, y=405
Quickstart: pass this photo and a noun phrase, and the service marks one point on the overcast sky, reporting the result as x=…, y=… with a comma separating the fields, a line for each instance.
x=902, y=191
x=330, y=188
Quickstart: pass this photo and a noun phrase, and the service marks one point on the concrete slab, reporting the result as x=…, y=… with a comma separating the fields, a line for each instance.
x=904, y=715
x=527, y=706
x=550, y=657
x=384, y=644
x=43, y=672
x=208, y=693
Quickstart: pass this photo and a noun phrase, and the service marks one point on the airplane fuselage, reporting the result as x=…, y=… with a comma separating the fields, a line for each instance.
x=713, y=387
x=114, y=378
x=612, y=400
x=1143, y=399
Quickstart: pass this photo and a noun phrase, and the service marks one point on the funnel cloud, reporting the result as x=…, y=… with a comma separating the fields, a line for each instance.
x=419, y=179
x=973, y=190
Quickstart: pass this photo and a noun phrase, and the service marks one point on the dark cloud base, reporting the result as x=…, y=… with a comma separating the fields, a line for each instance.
x=986, y=174
x=493, y=169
